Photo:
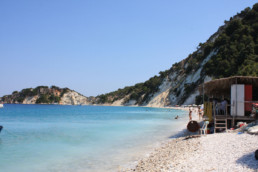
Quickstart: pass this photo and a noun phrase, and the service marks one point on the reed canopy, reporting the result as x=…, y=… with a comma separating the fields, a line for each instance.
x=222, y=87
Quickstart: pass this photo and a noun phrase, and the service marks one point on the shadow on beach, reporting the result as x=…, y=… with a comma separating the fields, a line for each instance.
x=184, y=133
x=249, y=161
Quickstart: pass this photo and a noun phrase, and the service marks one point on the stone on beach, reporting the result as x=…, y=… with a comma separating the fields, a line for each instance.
x=253, y=130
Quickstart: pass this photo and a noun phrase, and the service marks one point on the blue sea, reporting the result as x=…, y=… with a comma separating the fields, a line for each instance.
x=53, y=138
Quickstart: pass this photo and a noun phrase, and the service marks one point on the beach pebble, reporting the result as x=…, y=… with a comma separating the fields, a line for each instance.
x=253, y=130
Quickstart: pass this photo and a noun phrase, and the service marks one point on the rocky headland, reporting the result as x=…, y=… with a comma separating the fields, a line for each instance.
x=47, y=95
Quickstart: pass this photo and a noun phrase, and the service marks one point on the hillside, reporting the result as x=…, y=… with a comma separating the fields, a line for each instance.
x=232, y=50
x=46, y=95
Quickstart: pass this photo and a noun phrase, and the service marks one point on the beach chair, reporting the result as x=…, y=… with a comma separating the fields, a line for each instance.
x=203, y=130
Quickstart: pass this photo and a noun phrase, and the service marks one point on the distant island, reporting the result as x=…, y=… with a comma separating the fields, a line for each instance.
x=46, y=95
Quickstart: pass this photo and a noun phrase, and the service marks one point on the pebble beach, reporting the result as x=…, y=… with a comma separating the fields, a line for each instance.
x=214, y=152
x=207, y=153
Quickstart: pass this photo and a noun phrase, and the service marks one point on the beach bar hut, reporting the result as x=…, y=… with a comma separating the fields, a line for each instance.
x=242, y=95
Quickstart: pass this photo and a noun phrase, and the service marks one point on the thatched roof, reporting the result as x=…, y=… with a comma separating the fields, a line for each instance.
x=222, y=87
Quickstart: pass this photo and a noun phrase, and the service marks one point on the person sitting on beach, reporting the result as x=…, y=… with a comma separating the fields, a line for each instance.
x=190, y=114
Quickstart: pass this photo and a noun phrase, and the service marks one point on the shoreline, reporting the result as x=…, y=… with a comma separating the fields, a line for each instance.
x=212, y=152
x=149, y=149
x=162, y=107
x=153, y=140
x=179, y=153
x=180, y=134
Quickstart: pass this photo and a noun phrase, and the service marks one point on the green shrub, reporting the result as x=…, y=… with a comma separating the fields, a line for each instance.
x=43, y=99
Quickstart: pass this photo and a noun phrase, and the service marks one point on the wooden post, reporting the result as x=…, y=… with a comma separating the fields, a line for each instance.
x=236, y=105
x=226, y=110
x=203, y=93
x=214, y=116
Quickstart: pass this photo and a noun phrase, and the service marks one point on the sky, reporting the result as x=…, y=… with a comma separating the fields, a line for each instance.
x=97, y=46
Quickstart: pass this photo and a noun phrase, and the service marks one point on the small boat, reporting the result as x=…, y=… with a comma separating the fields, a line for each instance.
x=1, y=105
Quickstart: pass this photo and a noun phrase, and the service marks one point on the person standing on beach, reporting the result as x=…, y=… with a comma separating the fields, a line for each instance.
x=199, y=112
x=190, y=114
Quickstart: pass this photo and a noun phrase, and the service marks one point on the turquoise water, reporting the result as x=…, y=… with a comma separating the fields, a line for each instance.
x=80, y=138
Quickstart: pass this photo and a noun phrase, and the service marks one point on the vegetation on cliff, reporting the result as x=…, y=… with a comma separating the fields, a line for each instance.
x=234, y=50
x=43, y=94
x=237, y=47
x=139, y=92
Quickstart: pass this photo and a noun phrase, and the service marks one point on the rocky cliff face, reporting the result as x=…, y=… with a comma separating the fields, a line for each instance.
x=29, y=100
x=73, y=98
x=178, y=86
